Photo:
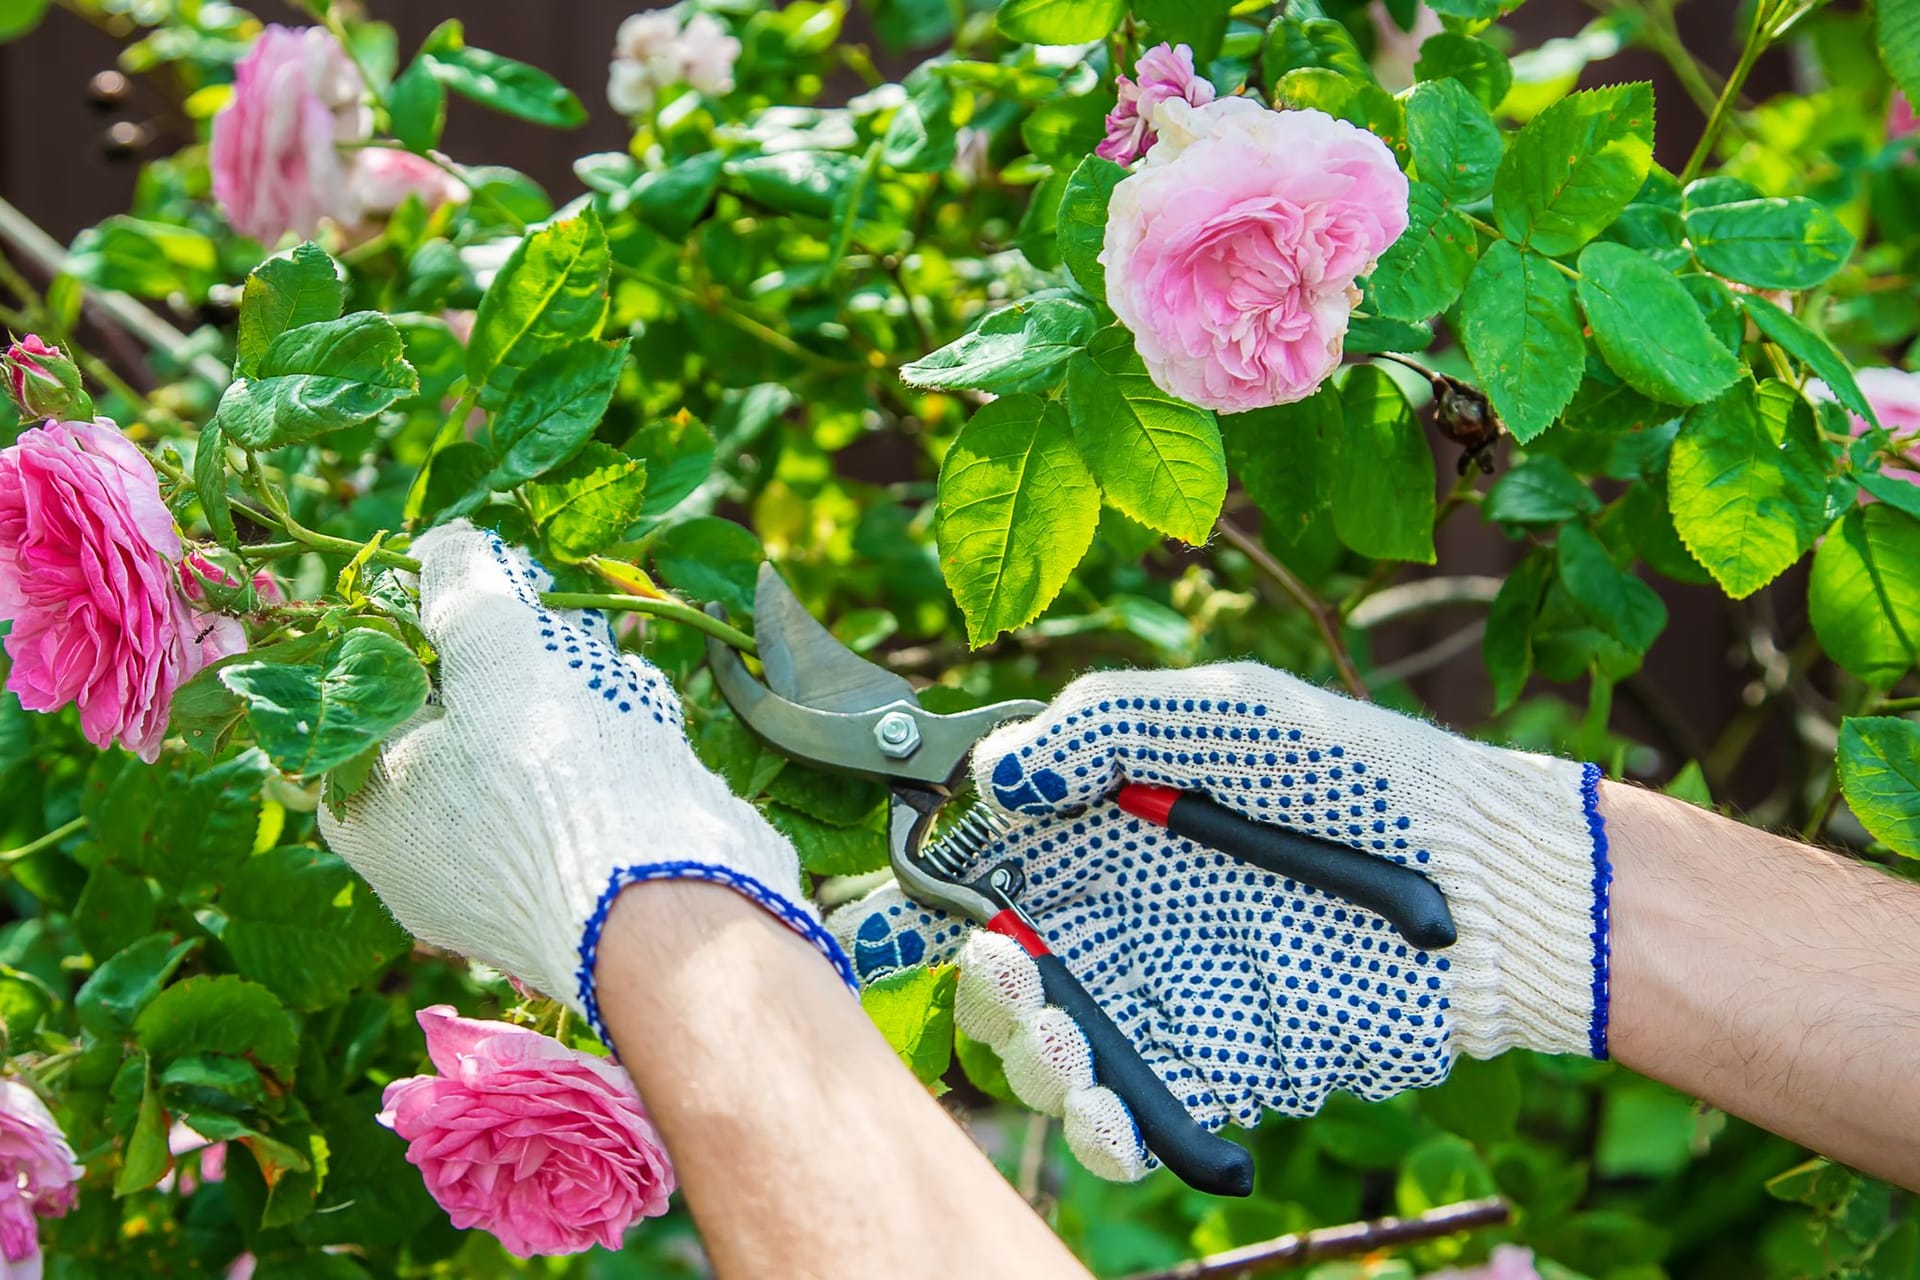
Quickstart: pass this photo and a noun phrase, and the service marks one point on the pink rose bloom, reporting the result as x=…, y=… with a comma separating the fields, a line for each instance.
x=707, y=54
x=1900, y=118
x=652, y=51
x=276, y=158
x=1395, y=51
x=1165, y=72
x=1231, y=254
x=383, y=178
x=1509, y=1262
x=1895, y=397
x=547, y=1148
x=242, y=1267
x=89, y=579
x=184, y=1140
x=37, y=1173
x=220, y=635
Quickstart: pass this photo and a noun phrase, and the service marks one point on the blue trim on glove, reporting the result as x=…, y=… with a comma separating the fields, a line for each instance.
x=783, y=908
x=1602, y=888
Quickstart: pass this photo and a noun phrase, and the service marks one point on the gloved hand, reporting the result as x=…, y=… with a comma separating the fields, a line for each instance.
x=1243, y=990
x=551, y=772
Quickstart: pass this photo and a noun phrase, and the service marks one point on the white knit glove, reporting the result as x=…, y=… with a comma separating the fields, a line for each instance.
x=1243, y=990
x=551, y=772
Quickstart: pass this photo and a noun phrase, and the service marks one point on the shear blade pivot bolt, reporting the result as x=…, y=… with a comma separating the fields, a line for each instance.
x=897, y=734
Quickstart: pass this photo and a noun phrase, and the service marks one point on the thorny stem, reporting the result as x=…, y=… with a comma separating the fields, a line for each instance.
x=1339, y=1242
x=46, y=841
x=672, y=610
x=1324, y=618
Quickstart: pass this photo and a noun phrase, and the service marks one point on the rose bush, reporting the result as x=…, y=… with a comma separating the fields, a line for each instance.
x=1077, y=332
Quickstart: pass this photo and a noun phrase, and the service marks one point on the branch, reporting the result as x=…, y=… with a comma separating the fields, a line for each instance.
x=1339, y=1242
x=1410, y=599
x=1319, y=610
x=20, y=231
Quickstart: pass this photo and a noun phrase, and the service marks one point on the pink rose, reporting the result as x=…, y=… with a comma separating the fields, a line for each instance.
x=1509, y=1262
x=89, y=579
x=1395, y=51
x=383, y=178
x=276, y=159
x=1231, y=254
x=547, y=1148
x=220, y=635
x=37, y=1173
x=1165, y=72
x=1900, y=118
x=1895, y=397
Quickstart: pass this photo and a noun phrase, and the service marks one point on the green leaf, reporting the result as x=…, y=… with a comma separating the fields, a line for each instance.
x=1455, y=143
x=914, y=1011
x=1880, y=777
x=1574, y=167
x=1648, y=328
x=679, y=453
x=551, y=293
x=1771, y=244
x=182, y=821
x=18, y=17
x=210, y=484
x=588, y=505
x=921, y=137
x=829, y=850
x=1425, y=269
x=1864, y=596
x=219, y=1014
x=1480, y=1100
x=302, y=925
x=1897, y=32
x=1508, y=650
x=110, y=1000
x=1017, y=511
x=319, y=378
x=1200, y=26
x=1158, y=459
x=1083, y=221
x=1812, y=350
x=1441, y=1171
x=1019, y=348
x=114, y=909
x=1474, y=63
x=145, y=1159
x=1615, y=602
x=553, y=409
x=313, y=716
x=1747, y=484
x=1383, y=481
x=1359, y=102
x=1059, y=21
x=1518, y=324
x=711, y=559
x=1544, y=491
x=812, y=184
x=499, y=83
x=673, y=199
x=297, y=288
x=1310, y=42
x=418, y=106
x=1278, y=454
x=144, y=258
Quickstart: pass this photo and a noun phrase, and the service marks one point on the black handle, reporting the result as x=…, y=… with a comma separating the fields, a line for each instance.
x=1406, y=899
x=1204, y=1161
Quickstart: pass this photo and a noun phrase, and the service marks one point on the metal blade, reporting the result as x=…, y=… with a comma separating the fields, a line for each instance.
x=805, y=664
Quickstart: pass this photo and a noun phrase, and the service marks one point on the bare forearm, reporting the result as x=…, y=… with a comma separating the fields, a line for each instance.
x=803, y=1147
x=1771, y=979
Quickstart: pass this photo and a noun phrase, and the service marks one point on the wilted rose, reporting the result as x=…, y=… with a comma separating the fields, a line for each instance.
x=1232, y=254
x=545, y=1147
x=276, y=157
x=89, y=578
x=1163, y=74
x=44, y=381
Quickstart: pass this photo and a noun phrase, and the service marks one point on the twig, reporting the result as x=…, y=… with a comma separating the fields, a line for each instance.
x=20, y=231
x=45, y=842
x=1411, y=599
x=1757, y=40
x=1339, y=1242
x=1317, y=609
x=1439, y=653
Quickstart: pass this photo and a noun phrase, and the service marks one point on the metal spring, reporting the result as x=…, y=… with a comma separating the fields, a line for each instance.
x=960, y=844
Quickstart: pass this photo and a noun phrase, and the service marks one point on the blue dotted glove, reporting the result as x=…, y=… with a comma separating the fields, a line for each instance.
x=1243, y=990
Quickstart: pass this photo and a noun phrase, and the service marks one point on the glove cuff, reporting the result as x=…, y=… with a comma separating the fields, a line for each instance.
x=1530, y=969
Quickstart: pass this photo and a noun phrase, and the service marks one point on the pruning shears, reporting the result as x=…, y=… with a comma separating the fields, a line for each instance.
x=820, y=703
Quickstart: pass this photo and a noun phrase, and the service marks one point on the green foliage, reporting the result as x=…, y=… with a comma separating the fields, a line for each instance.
x=914, y=1011
x=318, y=378
x=1574, y=167
x=1519, y=328
x=312, y=716
x=1880, y=776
